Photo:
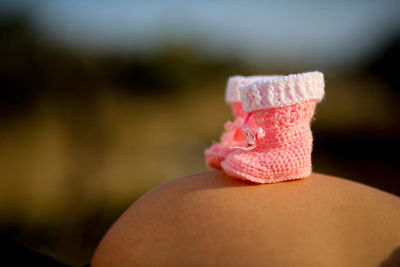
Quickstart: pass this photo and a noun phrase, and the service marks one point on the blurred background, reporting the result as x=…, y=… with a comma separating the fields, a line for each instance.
x=100, y=101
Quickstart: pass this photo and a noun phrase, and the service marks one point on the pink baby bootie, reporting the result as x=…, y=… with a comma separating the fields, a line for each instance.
x=279, y=143
x=233, y=135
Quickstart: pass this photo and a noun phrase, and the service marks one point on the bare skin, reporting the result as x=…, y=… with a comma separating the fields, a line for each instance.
x=211, y=219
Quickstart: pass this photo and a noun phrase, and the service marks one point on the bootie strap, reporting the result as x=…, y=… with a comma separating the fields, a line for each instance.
x=251, y=140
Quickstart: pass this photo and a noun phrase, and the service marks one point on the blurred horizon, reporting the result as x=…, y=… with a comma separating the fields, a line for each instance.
x=328, y=35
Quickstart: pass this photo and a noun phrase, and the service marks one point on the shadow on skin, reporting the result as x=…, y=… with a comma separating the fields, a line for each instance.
x=393, y=260
x=219, y=180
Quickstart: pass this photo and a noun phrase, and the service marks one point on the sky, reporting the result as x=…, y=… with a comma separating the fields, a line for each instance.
x=327, y=33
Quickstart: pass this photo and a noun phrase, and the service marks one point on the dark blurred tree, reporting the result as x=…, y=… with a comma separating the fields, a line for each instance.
x=31, y=71
x=34, y=70
x=171, y=70
x=17, y=78
x=385, y=64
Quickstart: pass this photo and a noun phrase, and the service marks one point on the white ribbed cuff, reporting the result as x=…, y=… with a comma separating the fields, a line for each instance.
x=232, y=88
x=282, y=91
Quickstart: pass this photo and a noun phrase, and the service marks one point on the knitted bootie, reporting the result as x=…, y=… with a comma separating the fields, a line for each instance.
x=233, y=135
x=280, y=141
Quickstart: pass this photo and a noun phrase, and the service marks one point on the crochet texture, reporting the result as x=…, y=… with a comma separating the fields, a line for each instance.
x=280, y=138
x=284, y=144
x=233, y=135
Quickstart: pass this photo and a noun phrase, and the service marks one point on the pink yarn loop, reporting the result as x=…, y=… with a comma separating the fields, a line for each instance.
x=251, y=141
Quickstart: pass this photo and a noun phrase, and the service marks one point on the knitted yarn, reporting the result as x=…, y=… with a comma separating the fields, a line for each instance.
x=282, y=91
x=233, y=136
x=280, y=139
x=283, y=151
x=232, y=93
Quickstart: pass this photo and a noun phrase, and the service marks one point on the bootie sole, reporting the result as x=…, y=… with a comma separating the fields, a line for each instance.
x=263, y=177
